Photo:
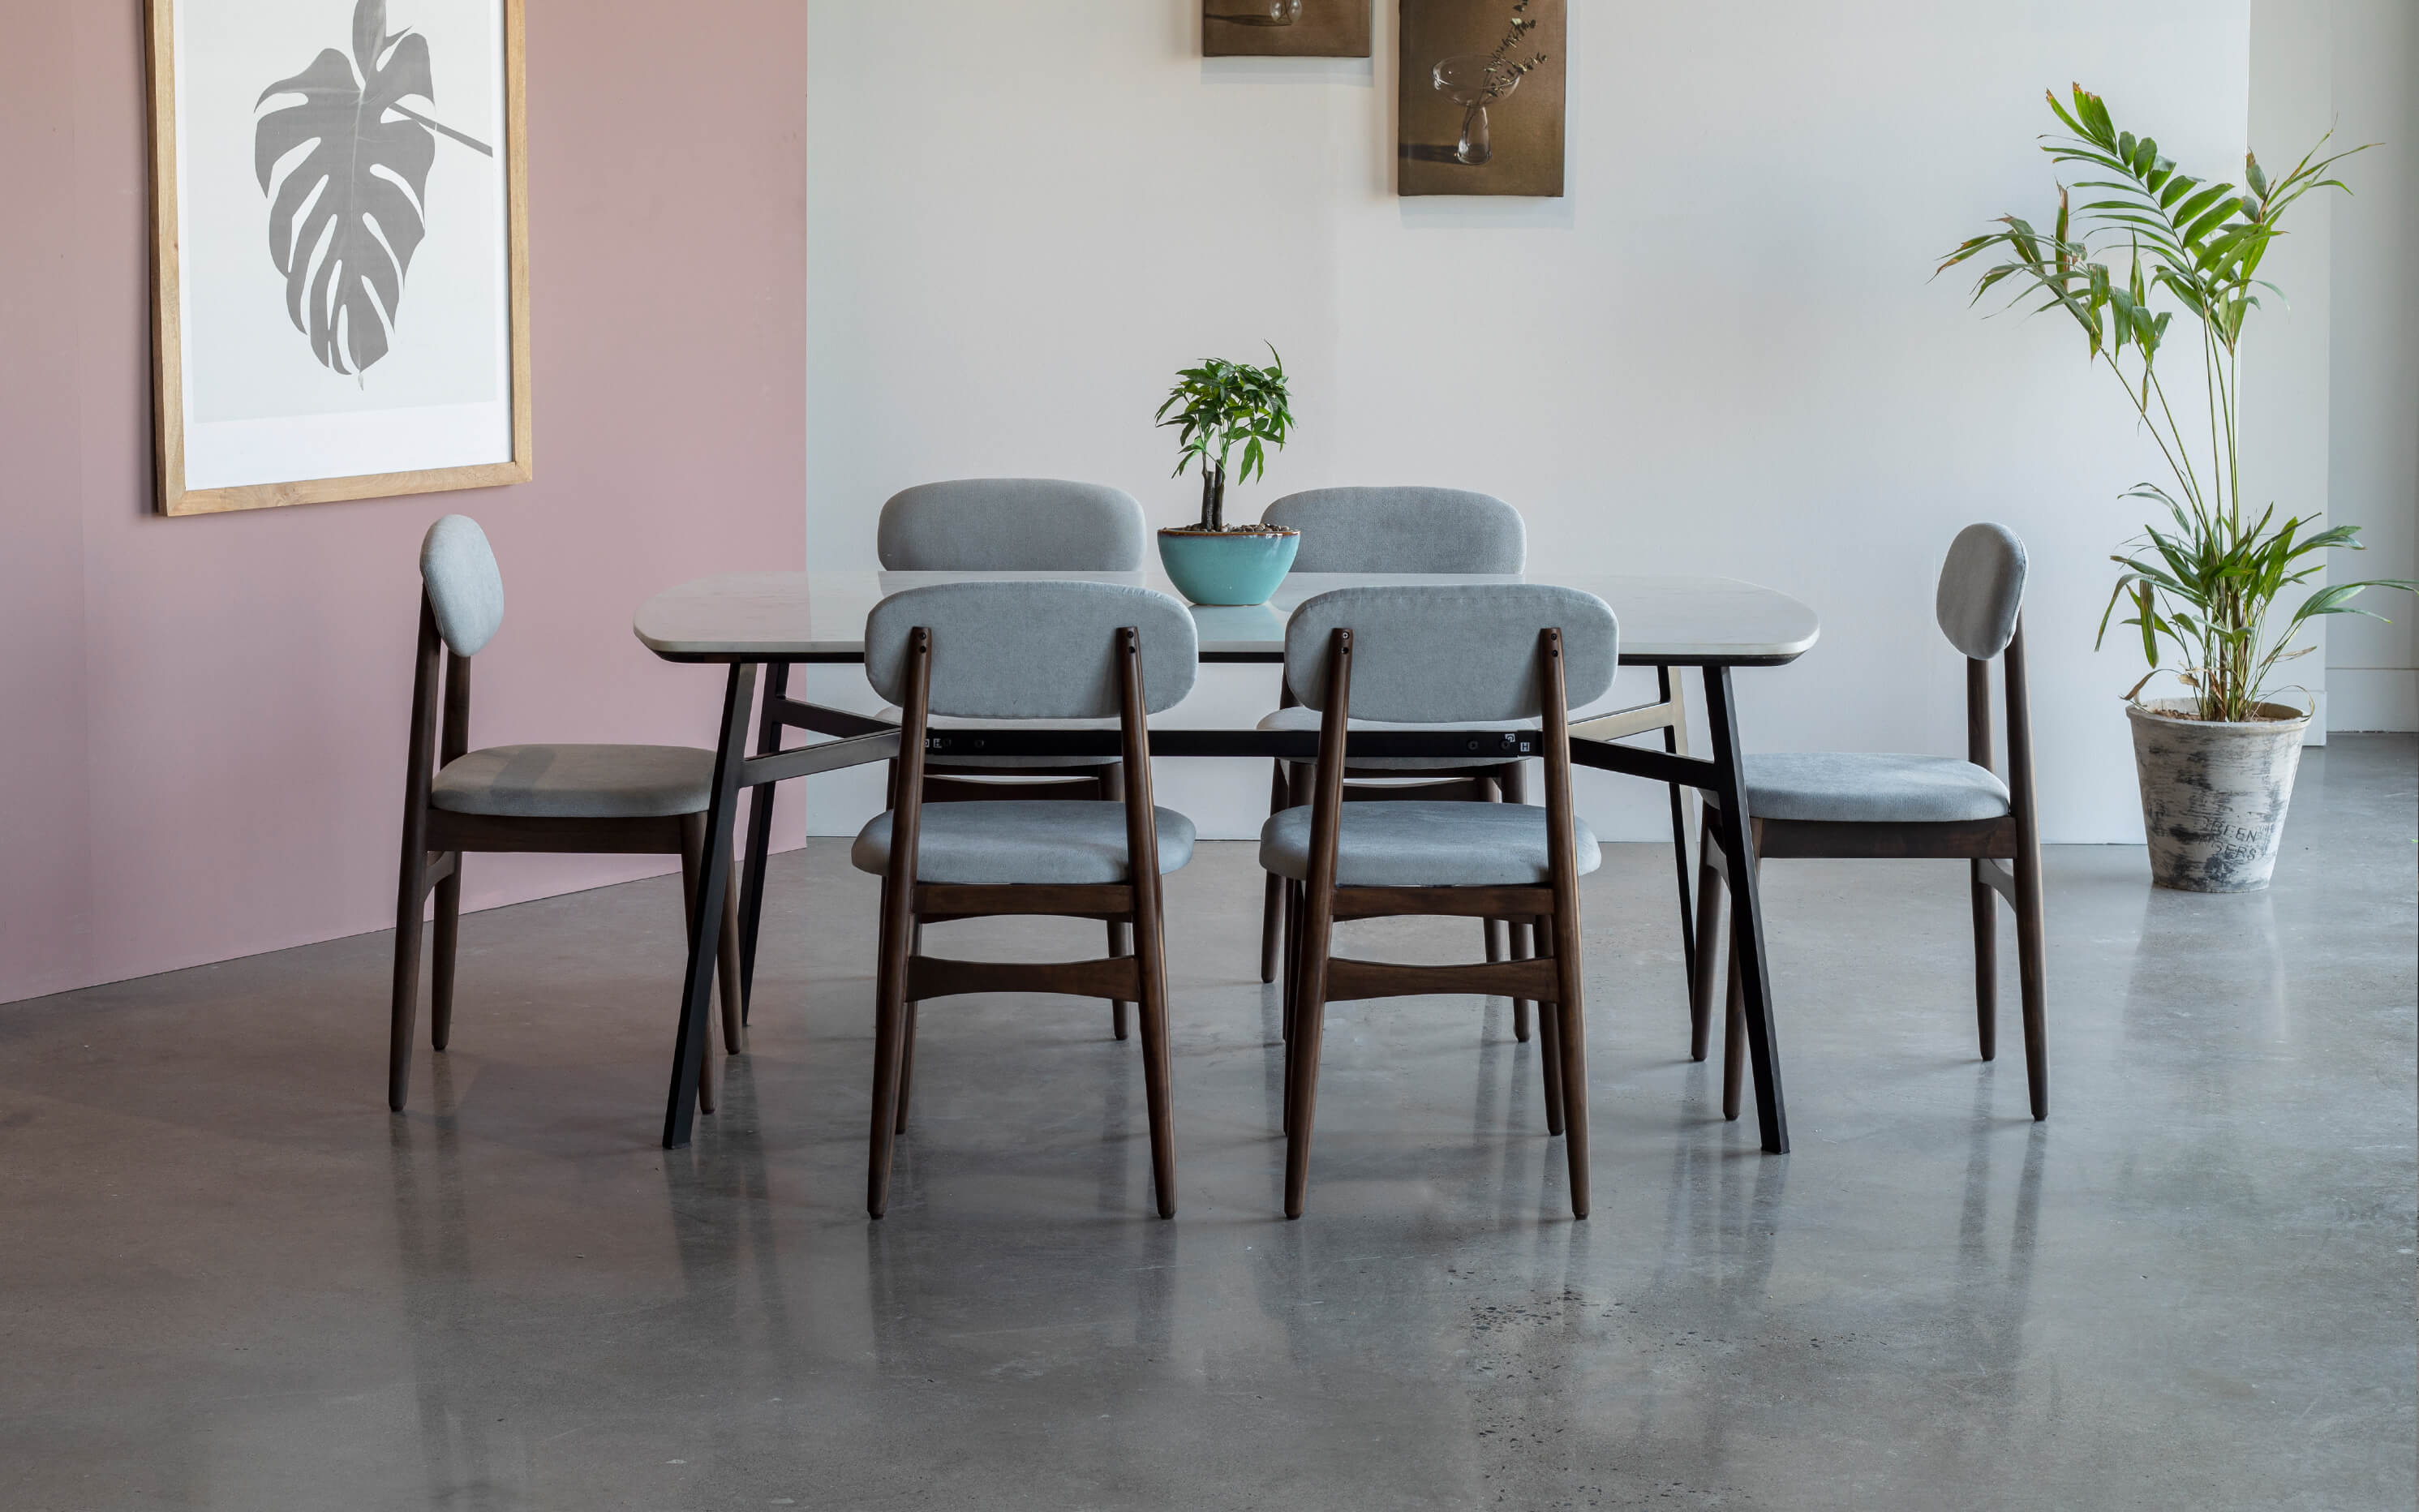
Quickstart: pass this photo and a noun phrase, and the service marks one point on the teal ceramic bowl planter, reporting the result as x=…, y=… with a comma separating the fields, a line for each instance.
x=1237, y=567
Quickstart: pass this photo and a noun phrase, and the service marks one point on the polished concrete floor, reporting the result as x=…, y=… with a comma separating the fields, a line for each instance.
x=229, y=1279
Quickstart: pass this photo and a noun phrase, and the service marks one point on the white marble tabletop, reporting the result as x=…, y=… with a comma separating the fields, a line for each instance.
x=820, y=616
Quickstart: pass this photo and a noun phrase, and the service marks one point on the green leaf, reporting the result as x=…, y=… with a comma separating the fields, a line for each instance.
x=2192, y=208
x=2209, y=221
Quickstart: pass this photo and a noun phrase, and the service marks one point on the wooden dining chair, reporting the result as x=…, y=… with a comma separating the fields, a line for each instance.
x=1023, y=652
x=1847, y=805
x=1017, y=525
x=620, y=801
x=1398, y=530
x=1443, y=655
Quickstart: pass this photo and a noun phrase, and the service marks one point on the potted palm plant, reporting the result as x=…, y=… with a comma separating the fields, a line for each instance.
x=2218, y=766
x=1217, y=406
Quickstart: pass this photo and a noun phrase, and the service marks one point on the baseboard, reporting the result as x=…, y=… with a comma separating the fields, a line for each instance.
x=2372, y=698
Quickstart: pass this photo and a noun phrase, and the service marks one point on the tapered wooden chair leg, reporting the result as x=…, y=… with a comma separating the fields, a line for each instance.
x=1549, y=1046
x=907, y=1039
x=1156, y=1079
x=1571, y=1032
x=735, y=1002
x=441, y=958
x=1519, y=939
x=1113, y=790
x=1311, y=942
x=1271, y=927
x=1273, y=892
x=1120, y=943
x=1986, y=963
x=906, y=1072
x=1292, y=937
x=2032, y=971
x=692, y=865
x=1709, y=924
x=1304, y=1101
x=889, y=1034
x=1733, y=1030
x=1496, y=932
x=1290, y=1009
x=1521, y=936
x=407, y=981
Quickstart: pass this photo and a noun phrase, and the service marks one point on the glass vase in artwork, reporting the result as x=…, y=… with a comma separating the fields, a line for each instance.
x=1272, y=13
x=1474, y=82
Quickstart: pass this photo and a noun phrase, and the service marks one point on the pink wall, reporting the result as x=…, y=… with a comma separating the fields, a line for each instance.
x=201, y=720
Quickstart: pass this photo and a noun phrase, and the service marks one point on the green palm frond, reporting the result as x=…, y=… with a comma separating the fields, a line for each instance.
x=2150, y=234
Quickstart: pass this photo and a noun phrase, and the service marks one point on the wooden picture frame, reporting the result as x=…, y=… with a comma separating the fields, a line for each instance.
x=494, y=442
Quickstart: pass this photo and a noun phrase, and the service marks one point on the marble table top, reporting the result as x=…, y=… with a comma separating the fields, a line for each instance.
x=820, y=616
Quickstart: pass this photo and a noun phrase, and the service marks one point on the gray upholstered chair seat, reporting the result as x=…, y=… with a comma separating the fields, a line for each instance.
x=1856, y=788
x=1039, y=763
x=1302, y=719
x=1420, y=844
x=1039, y=841
x=576, y=781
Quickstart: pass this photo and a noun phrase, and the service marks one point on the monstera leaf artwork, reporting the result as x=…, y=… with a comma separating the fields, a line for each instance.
x=345, y=217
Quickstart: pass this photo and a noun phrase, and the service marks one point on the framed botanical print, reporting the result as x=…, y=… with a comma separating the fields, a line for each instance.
x=340, y=282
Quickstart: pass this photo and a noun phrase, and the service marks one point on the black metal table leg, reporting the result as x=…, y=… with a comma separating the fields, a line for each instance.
x=1738, y=846
x=759, y=836
x=1680, y=841
x=705, y=913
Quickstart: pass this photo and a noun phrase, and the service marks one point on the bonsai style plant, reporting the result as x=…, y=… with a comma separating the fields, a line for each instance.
x=2216, y=767
x=1217, y=407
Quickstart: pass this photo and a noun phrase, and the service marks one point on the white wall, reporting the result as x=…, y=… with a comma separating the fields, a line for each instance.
x=1719, y=352
x=2288, y=353
x=2373, y=670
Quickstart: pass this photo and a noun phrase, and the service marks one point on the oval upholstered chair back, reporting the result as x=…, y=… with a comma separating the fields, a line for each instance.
x=465, y=587
x=1402, y=530
x=1011, y=525
x=1981, y=590
x=1039, y=650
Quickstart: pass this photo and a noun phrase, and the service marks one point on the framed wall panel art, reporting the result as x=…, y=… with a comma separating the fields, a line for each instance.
x=1481, y=102
x=1284, y=29
x=340, y=298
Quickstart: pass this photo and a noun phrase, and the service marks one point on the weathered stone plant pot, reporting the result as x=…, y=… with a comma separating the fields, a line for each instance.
x=2213, y=795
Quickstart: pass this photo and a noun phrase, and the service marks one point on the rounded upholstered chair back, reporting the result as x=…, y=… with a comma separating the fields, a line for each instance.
x=1451, y=652
x=1402, y=530
x=466, y=589
x=1981, y=590
x=1011, y=525
x=1036, y=650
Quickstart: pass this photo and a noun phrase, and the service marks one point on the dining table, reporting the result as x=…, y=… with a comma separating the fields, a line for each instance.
x=761, y=625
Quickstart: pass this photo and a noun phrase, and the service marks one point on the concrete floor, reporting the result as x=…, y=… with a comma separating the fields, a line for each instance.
x=228, y=1278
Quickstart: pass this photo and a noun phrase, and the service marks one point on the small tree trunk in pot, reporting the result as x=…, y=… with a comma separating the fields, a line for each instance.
x=2215, y=794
